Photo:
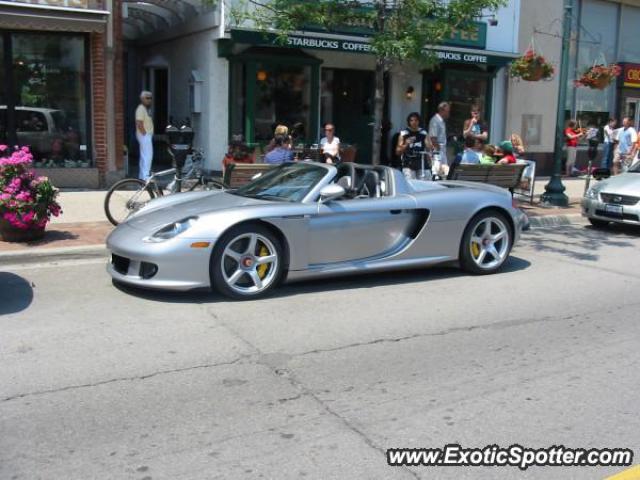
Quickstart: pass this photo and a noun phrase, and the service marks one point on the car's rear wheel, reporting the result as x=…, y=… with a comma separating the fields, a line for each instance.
x=599, y=223
x=247, y=262
x=486, y=243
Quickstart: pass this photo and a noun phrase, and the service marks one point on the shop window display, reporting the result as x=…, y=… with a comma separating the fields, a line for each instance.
x=48, y=108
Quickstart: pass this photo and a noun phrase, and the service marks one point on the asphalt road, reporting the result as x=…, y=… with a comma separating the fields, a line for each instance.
x=319, y=380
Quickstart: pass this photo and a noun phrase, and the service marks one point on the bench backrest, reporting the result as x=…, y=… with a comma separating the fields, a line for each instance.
x=239, y=174
x=506, y=176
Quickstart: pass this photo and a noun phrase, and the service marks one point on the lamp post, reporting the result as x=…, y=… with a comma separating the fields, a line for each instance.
x=554, y=190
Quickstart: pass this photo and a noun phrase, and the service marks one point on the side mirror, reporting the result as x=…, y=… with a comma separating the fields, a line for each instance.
x=601, y=173
x=331, y=192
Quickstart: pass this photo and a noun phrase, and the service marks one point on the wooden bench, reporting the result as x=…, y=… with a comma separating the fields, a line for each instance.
x=239, y=174
x=505, y=176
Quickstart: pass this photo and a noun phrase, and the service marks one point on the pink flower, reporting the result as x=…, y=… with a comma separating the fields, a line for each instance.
x=3, y=148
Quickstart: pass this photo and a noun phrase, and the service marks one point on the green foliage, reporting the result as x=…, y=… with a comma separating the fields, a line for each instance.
x=400, y=30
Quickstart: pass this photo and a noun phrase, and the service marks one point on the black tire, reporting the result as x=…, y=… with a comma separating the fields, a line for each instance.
x=468, y=262
x=599, y=223
x=116, y=205
x=235, y=237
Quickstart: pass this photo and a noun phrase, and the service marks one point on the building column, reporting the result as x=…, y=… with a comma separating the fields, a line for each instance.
x=98, y=104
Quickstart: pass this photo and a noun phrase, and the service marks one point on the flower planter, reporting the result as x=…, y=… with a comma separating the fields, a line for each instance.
x=534, y=74
x=9, y=233
x=602, y=83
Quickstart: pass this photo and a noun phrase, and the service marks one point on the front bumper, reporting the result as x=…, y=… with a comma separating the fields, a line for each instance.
x=177, y=265
x=595, y=208
x=521, y=221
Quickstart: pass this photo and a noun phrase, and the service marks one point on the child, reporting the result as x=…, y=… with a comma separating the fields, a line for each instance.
x=488, y=156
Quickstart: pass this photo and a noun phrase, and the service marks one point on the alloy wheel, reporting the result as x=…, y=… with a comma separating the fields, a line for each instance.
x=249, y=263
x=489, y=243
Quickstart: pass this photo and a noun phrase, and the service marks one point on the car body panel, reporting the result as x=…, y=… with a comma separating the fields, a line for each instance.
x=420, y=224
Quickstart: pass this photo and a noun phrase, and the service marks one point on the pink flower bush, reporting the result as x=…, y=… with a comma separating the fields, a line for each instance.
x=26, y=201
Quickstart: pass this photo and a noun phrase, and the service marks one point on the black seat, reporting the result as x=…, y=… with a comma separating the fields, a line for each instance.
x=369, y=185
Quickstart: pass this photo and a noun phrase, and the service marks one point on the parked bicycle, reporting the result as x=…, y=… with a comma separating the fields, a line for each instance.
x=131, y=194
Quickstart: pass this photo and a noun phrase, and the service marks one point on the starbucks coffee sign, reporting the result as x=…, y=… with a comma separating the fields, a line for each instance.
x=57, y=3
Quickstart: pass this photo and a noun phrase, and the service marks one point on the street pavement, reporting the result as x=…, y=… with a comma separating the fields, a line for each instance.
x=319, y=380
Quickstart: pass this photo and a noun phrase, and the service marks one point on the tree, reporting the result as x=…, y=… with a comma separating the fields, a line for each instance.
x=401, y=30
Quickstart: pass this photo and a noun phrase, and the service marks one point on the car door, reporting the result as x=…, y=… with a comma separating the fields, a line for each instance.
x=356, y=229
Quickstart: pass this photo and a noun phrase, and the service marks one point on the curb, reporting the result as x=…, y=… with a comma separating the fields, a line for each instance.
x=541, y=221
x=44, y=255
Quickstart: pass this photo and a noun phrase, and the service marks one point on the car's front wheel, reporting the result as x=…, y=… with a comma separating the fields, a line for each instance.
x=486, y=243
x=247, y=262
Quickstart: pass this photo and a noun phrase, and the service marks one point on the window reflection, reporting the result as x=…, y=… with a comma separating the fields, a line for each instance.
x=49, y=85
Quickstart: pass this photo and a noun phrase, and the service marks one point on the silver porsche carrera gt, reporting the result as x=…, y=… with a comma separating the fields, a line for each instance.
x=304, y=220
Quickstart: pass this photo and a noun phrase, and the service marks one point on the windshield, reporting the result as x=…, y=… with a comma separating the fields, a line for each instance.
x=289, y=182
x=635, y=168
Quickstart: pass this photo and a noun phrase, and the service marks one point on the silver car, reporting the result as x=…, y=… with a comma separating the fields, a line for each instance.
x=616, y=199
x=305, y=220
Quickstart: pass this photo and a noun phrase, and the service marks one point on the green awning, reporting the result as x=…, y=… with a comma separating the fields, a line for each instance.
x=315, y=41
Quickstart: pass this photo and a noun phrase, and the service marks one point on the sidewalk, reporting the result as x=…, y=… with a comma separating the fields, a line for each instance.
x=82, y=228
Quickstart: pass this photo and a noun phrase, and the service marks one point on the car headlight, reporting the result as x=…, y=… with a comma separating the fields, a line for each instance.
x=592, y=192
x=172, y=230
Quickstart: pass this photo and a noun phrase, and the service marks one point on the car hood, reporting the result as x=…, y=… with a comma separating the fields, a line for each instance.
x=625, y=184
x=166, y=210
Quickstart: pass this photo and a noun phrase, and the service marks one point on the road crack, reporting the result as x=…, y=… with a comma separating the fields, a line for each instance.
x=124, y=379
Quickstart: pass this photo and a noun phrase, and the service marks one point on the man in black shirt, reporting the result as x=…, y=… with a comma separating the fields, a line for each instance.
x=411, y=142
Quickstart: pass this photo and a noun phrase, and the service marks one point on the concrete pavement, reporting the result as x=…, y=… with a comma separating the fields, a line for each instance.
x=319, y=380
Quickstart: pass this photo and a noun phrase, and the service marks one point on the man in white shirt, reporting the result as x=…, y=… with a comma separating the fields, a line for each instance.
x=609, y=139
x=438, y=132
x=144, y=134
x=330, y=144
x=626, y=142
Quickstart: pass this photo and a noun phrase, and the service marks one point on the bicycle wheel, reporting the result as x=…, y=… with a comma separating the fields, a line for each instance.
x=207, y=184
x=126, y=197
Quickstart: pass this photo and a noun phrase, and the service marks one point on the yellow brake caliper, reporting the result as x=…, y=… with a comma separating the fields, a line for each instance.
x=475, y=249
x=262, y=269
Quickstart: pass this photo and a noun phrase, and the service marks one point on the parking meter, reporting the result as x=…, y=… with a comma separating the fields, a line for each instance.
x=180, y=142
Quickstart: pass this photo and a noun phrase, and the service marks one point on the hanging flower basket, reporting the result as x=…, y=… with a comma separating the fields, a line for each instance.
x=531, y=67
x=27, y=202
x=598, y=77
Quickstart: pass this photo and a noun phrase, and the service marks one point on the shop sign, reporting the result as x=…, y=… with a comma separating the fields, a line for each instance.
x=357, y=46
x=302, y=41
x=476, y=37
x=459, y=57
x=631, y=75
x=58, y=3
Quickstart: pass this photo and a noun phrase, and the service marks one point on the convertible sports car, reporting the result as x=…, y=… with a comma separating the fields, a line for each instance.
x=303, y=220
x=616, y=199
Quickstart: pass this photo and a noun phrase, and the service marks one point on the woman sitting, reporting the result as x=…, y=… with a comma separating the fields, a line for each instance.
x=330, y=145
x=518, y=145
x=282, y=151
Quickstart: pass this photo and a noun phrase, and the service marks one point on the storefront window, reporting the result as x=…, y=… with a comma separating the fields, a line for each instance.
x=49, y=97
x=283, y=95
x=598, y=37
x=630, y=19
x=465, y=89
x=3, y=99
x=271, y=87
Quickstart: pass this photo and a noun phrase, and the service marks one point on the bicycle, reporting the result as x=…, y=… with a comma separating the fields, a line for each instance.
x=131, y=194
